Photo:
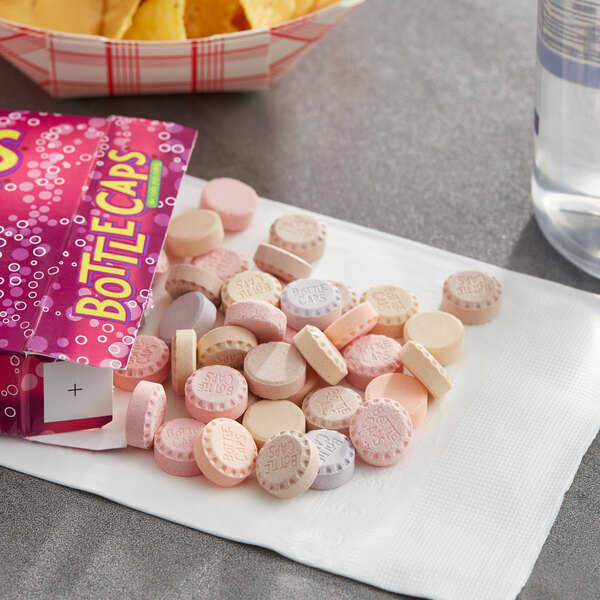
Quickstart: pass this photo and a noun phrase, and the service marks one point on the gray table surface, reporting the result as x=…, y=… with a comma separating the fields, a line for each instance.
x=410, y=117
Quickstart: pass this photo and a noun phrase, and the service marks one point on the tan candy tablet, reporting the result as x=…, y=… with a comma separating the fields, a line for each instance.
x=274, y=370
x=281, y=263
x=439, y=332
x=301, y=234
x=349, y=295
x=287, y=465
x=472, y=296
x=405, y=390
x=331, y=408
x=225, y=346
x=425, y=368
x=225, y=452
x=183, y=358
x=266, y=418
x=321, y=354
x=395, y=306
x=195, y=232
x=188, y=278
x=250, y=284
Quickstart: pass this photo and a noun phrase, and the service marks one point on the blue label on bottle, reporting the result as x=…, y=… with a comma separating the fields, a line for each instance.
x=568, y=39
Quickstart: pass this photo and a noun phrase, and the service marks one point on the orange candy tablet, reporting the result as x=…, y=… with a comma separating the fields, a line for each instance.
x=225, y=452
x=195, y=232
x=354, y=323
x=404, y=389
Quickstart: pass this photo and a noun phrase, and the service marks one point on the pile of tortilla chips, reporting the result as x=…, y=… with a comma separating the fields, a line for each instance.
x=155, y=19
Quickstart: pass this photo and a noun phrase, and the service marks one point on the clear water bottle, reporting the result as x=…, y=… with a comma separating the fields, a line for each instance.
x=566, y=173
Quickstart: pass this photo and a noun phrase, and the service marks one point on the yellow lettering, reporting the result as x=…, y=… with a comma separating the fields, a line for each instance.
x=126, y=172
x=105, y=309
x=9, y=158
x=101, y=283
x=103, y=202
x=109, y=227
x=101, y=254
x=139, y=157
x=85, y=267
x=137, y=248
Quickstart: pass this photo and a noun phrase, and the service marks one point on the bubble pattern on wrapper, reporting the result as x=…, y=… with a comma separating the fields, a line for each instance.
x=57, y=231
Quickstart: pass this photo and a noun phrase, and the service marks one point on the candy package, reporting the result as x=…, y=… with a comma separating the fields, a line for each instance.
x=84, y=208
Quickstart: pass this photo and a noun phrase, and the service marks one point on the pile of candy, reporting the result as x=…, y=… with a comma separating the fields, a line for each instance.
x=259, y=356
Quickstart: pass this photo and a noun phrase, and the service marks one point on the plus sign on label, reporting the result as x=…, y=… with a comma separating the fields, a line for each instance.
x=75, y=391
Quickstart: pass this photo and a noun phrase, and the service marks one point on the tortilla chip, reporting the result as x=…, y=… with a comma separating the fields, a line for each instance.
x=322, y=4
x=118, y=15
x=264, y=13
x=303, y=7
x=19, y=12
x=209, y=17
x=158, y=20
x=82, y=16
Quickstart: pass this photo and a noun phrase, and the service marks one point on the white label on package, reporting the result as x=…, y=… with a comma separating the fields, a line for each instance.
x=76, y=391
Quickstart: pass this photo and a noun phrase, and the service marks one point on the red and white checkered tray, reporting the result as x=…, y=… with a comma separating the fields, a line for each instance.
x=68, y=65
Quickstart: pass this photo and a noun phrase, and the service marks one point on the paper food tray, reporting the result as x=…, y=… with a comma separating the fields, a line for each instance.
x=71, y=65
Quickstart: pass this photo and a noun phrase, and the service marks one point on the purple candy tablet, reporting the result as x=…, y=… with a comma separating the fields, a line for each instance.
x=190, y=311
x=336, y=458
x=311, y=302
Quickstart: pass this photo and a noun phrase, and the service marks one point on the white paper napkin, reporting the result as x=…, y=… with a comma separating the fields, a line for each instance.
x=465, y=513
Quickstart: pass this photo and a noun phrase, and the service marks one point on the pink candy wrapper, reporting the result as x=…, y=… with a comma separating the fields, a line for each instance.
x=84, y=208
x=68, y=65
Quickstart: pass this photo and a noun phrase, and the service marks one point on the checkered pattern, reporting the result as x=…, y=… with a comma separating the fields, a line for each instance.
x=69, y=65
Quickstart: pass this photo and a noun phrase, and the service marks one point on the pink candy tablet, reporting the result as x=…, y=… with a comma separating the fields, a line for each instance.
x=380, y=431
x=234, y=201
x=370, y=356
x=174, y=447
x=190, y=311
x=472, y=296
x=225, y=452
x=336, y=458
x=275, y=370
x=264, y=320
x=311, y=302
x=149, y=360
x=216, y=391
x=145, y=414
x=223, y=262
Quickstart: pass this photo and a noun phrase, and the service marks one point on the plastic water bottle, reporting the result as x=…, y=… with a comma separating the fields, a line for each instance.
x=566, y=173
